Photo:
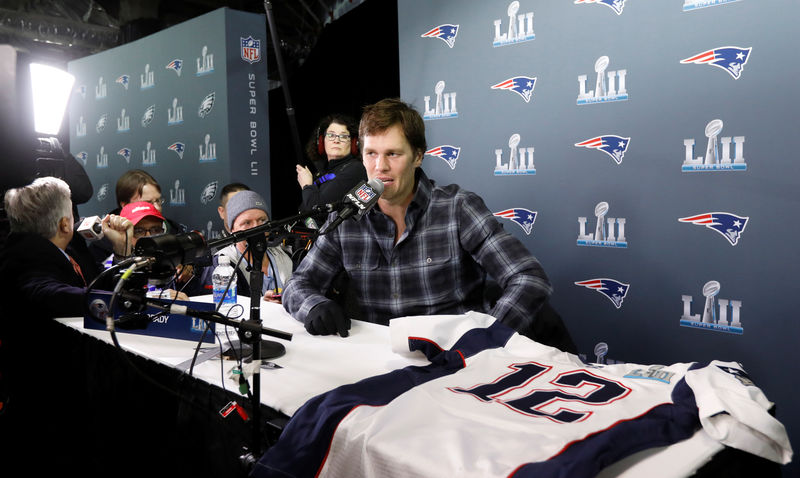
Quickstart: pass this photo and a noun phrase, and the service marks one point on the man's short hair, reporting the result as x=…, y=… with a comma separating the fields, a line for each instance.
x=131, y=184
x=37, y=207
x=231, y=188
x=381, y=116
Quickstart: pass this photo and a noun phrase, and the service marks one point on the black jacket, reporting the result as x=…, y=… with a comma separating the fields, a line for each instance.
x=332, y=183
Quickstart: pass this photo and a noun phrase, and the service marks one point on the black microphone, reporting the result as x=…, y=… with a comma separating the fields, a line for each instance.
x=91, y=228
x=167, y=251
x=357, y=202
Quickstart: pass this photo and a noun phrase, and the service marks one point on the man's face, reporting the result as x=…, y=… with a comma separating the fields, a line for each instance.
x=147, y=226
x=246, y=220
x=149, y=194
x=390, y=158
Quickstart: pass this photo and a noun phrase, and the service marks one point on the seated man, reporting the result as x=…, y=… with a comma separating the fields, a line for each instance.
x=40, y=277
x=136, y=220
x=425, y=249
x=227, y=192
x=245, y=210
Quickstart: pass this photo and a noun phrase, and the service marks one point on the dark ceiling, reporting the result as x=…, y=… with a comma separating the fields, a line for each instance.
x=66, y=30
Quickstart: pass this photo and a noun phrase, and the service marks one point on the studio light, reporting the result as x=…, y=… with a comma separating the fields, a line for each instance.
x=51, y=88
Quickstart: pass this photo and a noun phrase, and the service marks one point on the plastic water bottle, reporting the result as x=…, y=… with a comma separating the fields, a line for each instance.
x=222, y=274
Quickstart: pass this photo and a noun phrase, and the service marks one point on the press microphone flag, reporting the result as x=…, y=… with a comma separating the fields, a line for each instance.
x=91, y=228
x=358, y=202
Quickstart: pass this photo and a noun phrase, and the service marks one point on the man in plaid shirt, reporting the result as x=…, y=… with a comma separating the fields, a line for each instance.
x=423, y=250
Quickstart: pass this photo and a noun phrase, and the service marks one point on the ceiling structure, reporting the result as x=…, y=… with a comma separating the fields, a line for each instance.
x=67, y=30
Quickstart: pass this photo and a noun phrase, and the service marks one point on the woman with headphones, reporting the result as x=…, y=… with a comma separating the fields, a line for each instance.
x=335, y=148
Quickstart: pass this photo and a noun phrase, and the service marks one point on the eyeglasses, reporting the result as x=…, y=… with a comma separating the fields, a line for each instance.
x=342, y=137
x=157, y=202
x=153, y=231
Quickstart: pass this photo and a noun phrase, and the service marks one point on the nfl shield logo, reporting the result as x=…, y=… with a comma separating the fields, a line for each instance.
x=365, y=193
x=251, y=49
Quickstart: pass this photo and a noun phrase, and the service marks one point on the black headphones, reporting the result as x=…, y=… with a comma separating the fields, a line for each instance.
x=321, y=143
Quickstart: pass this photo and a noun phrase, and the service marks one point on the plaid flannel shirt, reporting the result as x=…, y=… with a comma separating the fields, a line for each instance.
x=438, y=266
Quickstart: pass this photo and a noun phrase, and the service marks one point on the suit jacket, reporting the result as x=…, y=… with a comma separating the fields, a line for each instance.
x=38, y=280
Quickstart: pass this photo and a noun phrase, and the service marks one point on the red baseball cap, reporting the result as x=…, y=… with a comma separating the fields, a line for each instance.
x=136, y=211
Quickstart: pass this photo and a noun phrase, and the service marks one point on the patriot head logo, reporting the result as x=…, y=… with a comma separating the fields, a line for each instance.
x=612, y=145
x=125, y=153
x=616, y=5
x=83, y=156
x=447, y=33
x=524, y=217
x=738, y=374
x=148, y=115
x=178, y=147
x=521, y=85
x=251, y=49
x=206, y=105
x=124, y=80
x=729, y=225
x=175, y=65
x=82, y=91
x=449, y=154
x=730, y=58
x=209, y=192
x=614, y=290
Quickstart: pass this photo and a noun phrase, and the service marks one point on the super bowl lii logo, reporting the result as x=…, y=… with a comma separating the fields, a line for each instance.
x=718, y=152
x=520, y=159
x=444, y=105
x=608, y=232
x=715, y=312
x=689, y=5
x=177, y=196
x=519, y=29
x=609, y=85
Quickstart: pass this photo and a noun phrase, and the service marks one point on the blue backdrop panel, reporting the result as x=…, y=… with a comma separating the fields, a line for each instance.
x=187, y=104
x=642, y=151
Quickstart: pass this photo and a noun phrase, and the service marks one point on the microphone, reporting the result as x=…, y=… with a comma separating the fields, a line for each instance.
x=357, y=202
x=91, y=228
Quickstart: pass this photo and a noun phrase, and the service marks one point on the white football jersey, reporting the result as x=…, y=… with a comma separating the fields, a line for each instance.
x=495, y=403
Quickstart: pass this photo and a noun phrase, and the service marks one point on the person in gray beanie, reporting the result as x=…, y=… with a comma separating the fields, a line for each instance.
x=245, y=210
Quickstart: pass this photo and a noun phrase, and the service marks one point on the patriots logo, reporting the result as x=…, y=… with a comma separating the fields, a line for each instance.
x=614, y=290
x=209, y=192
x=730, y=58
x=148, y=115
x=82, y=91
x=83, y=156
x=206, y=105
x=101, y=123
x=178, y=148
x=739, y=375
x=125, y=153
x=175, y=65
x=614, y=146
x=102, y=192
x=616, y=5
x=729, y=225
x=448, y=153
x=447, y=33
x=521, y=85
x=524, y=217
x=124, y=80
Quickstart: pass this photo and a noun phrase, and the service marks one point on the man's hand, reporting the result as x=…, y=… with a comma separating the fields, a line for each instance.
x=119, y=232
x=327, y=318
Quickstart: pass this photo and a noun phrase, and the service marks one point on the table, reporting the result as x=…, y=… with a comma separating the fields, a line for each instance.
x=208, y=445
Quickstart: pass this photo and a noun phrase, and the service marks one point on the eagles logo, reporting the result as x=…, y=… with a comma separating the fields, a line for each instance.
x=206, y=105
x=209, y=192
x=103, y=192
x=101, y=123
x=148, y=115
